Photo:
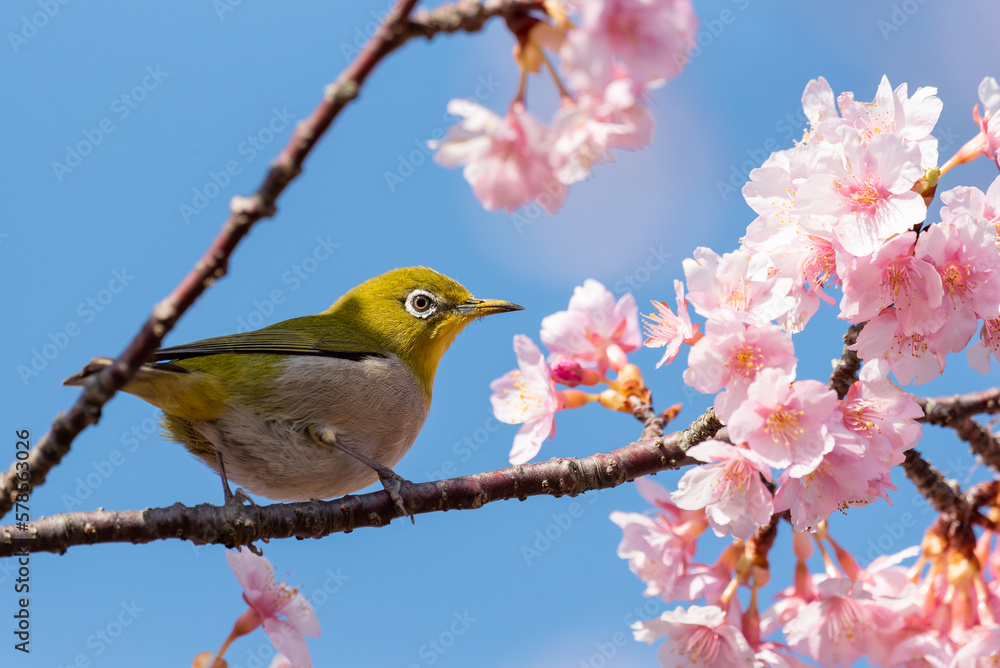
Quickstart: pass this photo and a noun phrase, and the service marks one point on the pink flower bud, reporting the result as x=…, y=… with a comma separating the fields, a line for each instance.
x=571, y=373
x=568, y=372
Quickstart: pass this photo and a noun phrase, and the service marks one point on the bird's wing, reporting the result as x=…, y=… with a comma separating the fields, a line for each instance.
x=301, y=336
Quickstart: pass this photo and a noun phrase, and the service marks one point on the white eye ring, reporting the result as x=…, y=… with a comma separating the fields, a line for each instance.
x=421, y=304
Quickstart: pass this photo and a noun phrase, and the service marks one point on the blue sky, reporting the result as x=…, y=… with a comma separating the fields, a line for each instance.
x=209, y=98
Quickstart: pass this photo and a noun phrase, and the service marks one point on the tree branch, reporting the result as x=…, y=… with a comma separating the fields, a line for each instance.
x=943, y=411
x=982, y=442
x=845, y=367
x=944, y=495
x=465, y=16
x=232, y=525
x=245, y=212
x=984, y=494
x=958, y=511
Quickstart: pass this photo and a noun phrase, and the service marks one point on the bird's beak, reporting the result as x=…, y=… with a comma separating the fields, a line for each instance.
x=476, y=308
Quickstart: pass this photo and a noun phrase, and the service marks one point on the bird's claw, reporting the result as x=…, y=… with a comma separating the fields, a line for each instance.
x=393, y=483
x=239, y=497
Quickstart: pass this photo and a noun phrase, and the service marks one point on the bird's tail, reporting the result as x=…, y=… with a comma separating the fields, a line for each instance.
x=170, y=387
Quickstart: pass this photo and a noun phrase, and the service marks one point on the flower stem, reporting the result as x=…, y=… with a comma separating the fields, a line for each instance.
x=517, y=104
x=564, y=95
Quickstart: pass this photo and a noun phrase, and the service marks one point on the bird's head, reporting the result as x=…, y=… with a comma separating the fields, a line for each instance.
x=416, y=313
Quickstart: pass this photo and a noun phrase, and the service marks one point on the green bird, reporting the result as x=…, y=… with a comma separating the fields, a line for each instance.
x=319, y=406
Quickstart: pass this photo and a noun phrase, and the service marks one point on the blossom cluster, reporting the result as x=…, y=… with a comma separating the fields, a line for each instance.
x=845, y=209
x=941, y=611
x=610, y=57
x=589, y=339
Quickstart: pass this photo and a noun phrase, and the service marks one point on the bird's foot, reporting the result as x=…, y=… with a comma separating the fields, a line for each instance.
x=240, y=498
x=237, y=498
x=393, y=483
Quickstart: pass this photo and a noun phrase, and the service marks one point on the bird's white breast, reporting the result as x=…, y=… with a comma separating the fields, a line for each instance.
x=374, y=405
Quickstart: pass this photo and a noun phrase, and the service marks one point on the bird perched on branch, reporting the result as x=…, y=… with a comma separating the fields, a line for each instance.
x=318, y=406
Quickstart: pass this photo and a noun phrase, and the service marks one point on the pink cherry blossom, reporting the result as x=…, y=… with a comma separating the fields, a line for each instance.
x=786, y=423
x=667, y=329
x=527, y=396
x=988, y=344
x=928, y=648
x=729, y=488
x=581, y=142
x=269, y=601
x=730, y=356
x=648, y=39
x=789, y=601
x=688, y=525
x=894, y=112
x=586, y=131
x=878, y=487
x=506, y=159
x=802, y=247
x=964, y=252
x=841, y=624
x=740, y=282
x=655, y=554
x=880, y=412
x=805, y=250
x=892, y=275
x=885, y=577
x=774, y=655
x=890, y=585
x=625, y=106
x=839, y=479
x=897, y=596
x=821, y=110
x=867, y=188
x=911, y=357
x=699, y=635
x=987, y=142
x=980, y=651
x=709, y=582
x=771, y=192
x=971, y=201
x=989, y=121
x=595, y=329
x=659, y=548
x=855, y=172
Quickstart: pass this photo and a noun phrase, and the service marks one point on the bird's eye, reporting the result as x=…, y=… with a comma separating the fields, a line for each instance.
x=421, y=304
